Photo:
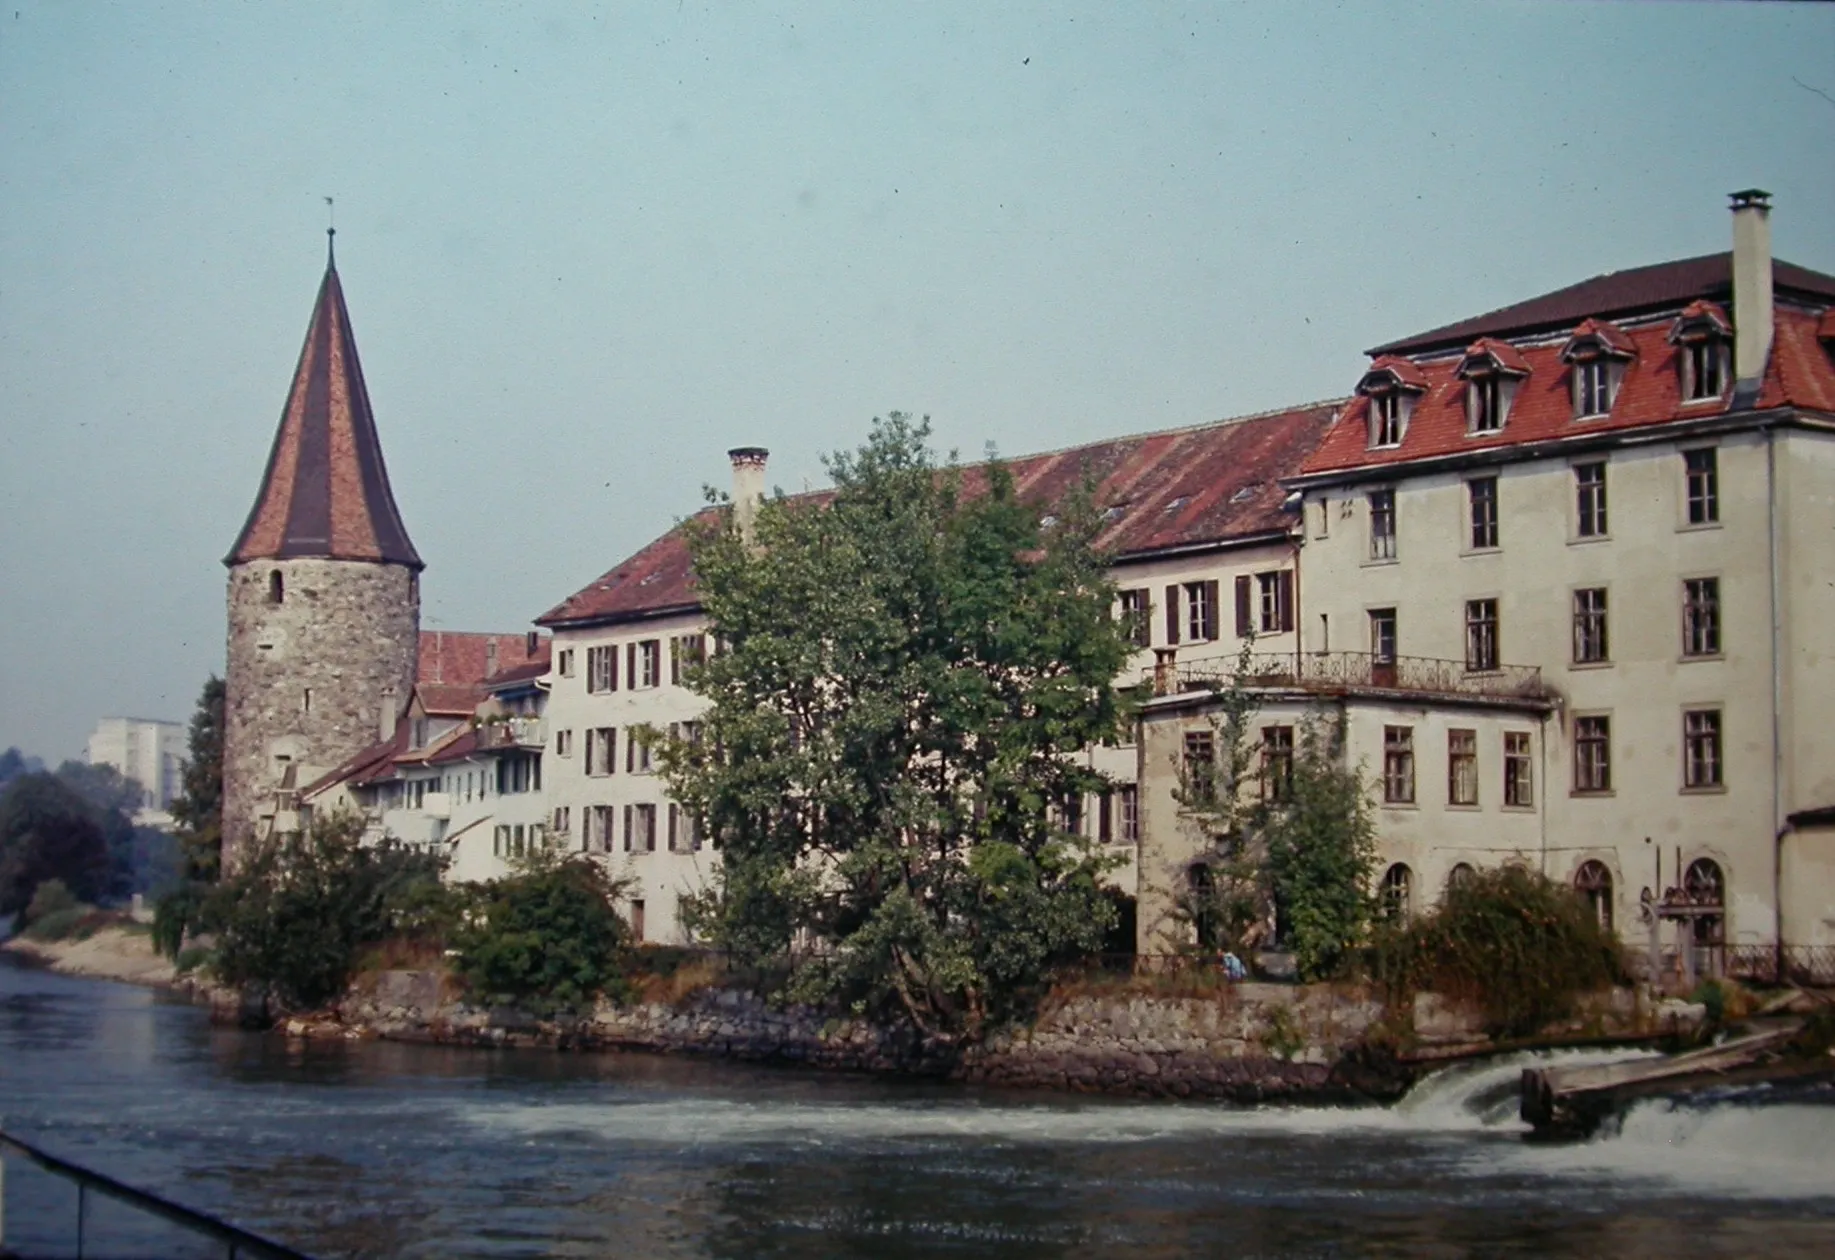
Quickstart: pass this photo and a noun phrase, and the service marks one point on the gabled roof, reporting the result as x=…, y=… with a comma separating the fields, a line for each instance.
x=463, y=656
x=326, y=491
x=449, y=699
x=1799, y=373
x=1618, y=293
x=1173, y=490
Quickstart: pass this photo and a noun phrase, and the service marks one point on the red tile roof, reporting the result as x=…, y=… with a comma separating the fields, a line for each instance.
x=326, y=491
x=1166, y=491
x=1639, y=290
x=375, y=762
x=450, y=699
x=1799, y=373
x=461, y=656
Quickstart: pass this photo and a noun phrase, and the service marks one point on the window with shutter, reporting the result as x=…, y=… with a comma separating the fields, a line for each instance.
x=1244, y=598
x=627, y=828
x=1172, y=615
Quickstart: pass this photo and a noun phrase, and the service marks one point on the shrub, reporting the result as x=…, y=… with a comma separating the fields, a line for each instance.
x=1513, y=942
x=547, y=938
x=59, y=925
x=190, y=958
x=301, y=907
x=51, y=897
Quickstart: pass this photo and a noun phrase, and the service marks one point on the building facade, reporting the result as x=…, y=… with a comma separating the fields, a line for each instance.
x=150, y=752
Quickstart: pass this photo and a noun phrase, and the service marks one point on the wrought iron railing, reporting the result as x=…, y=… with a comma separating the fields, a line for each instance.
x=1767, y=964
x=1334, y=671
x=515, y=732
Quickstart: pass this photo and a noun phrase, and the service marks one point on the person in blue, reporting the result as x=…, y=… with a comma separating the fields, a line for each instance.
x=1232, y=966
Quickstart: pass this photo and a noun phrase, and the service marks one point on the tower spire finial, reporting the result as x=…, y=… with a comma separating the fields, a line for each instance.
x=331, y=233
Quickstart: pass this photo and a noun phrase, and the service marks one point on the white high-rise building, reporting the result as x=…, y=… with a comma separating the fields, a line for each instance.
x=150, y=752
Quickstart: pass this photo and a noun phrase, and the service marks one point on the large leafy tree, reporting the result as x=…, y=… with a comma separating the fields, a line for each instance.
x=908, y=666
x=48, y=831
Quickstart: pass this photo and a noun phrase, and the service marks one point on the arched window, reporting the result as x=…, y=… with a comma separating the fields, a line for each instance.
x=1594, y=882
x=1398, y=892
x=1459, y=876
x=277, y=587
x=1706, y=890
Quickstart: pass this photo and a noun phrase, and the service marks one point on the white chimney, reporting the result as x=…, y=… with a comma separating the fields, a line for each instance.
x=388, y=712
x=1752, y=317
x=748, y=487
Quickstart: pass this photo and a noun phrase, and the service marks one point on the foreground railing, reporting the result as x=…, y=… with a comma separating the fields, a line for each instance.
x=236, y=1242
x=1766, y=964
x=1329, y=671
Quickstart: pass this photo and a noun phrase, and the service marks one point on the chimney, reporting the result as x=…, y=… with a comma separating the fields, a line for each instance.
x=386, y=715
x=1752, y=317
x=748, y=487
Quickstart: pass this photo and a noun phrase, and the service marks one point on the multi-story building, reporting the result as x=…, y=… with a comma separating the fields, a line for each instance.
x=1202, y=555
x=1630, y=483
x=150, y=752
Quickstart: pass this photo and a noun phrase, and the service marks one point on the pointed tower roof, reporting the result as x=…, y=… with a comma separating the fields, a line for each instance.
x=326, y=491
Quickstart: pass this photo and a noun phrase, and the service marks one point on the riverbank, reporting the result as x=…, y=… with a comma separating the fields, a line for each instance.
x=118, y=952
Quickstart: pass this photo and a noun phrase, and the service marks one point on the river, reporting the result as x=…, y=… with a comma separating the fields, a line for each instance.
x=377, y=1149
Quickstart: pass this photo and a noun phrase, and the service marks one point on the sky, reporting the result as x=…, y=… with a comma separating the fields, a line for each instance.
x=588, y=248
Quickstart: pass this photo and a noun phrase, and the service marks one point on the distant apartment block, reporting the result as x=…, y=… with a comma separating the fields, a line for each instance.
x=150, y=752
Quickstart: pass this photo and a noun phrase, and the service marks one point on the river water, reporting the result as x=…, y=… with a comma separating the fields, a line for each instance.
x=374, y=1149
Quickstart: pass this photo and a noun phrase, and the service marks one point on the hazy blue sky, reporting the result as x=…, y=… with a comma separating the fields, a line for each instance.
x=587, y=249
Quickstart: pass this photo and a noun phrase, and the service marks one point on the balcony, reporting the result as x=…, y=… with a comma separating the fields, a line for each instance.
x=1337, y=672
x=512, y=732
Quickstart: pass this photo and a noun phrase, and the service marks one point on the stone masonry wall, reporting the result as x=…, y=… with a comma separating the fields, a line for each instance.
x=344, y=633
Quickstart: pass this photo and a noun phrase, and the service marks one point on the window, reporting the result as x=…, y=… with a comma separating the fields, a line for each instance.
x=1592, y=754
x=598, y=838
x=1701, y=748
x=519, y=772
x=1382, y=635
x=1386, y=419
x=1590, y=646
x=685, y=650
x=637, y=919
x=644, y=663
x=1701, y=617
x=1703, y=475
x=563, y=663
x=602, y=668
x=1480, y=635
x=1276, y=601
x=1701, y=369
x=1200, y=768
x=1462, y=767
x=1594, y=883
x=277, y=588
x=684, y=836
x=601, y=750
x=1592, y=388
x=640, y=828
x=1398, y=765
x=1128, y=808
x=1200, y=612
x=1485, y=402
x=1519, y=774
x=1590, y=499
x=1461, y=875
x=1382, y=525
x=563, y=819
x=1398, y=892
x=1277, y=763
x=563, y=743
x=1482, y=496
x=637, y=759
x=1135, y=611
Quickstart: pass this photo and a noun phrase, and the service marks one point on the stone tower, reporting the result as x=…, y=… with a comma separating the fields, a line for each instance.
x=324, y=591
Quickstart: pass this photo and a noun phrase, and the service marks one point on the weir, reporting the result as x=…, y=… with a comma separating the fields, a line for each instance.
x=238, y=1244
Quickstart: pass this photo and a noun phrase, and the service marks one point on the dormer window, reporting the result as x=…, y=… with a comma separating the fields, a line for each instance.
x=1491, y=370
x=1701, y=335
x=1391, y=385
x=1597, y=353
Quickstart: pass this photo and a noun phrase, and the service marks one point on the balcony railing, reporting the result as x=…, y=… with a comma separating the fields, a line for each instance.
x=515, y=732
x=1338, y=671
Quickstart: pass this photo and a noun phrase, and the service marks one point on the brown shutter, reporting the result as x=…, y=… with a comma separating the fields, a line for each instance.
x=612, y=666
x=1172, y=615
x=630, y=752
x=1210, y=609
x=1105, y=830
x=611, y=749
x=675, y=661
x=630, y=665
x=1245, y=600
x=1284, y=597
x=627, y=828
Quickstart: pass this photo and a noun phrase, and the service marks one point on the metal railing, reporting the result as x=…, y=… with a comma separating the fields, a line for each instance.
x=237, y=1243
x=515, y=732
x=1766, y=964
x=1334, y=671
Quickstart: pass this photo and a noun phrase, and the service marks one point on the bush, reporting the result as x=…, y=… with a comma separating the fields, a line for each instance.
x=59, y=925
x=190, y=959
x=1513, y=942
x=547, y=938
x=51, y=897
x=301, y=907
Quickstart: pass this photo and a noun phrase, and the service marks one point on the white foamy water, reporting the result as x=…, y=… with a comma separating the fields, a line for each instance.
x=1468, y=1098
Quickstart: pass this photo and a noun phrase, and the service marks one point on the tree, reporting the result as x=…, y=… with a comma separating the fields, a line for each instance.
x=547, y=937
x=47, y=831
x=198, y=810
x=301, y=906
x=116, y=798
x=14, y=763
x=907, y=667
